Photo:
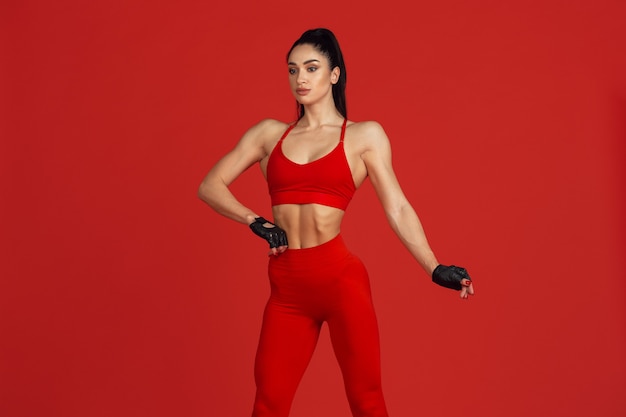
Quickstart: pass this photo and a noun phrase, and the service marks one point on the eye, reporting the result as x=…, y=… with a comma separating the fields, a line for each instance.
x=292, y=71
x=311, y=69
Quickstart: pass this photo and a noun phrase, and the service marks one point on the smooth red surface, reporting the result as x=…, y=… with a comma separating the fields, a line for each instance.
x=121, y=294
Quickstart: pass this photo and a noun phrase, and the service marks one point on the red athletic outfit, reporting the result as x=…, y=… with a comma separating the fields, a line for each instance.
x=314, y=285
x=327, y=180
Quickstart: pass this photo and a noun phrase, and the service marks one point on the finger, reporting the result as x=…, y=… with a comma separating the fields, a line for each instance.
x=463, y=293
x=466, y=282
x=470, y=289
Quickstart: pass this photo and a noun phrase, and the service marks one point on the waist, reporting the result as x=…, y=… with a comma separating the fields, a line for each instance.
x=308, y=225
x=332, y=250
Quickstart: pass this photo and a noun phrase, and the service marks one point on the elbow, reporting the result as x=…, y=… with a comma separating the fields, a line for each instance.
x=396, y=213
x=204, y=192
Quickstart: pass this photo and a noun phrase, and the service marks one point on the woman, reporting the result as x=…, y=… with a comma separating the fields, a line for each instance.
x=313, y=167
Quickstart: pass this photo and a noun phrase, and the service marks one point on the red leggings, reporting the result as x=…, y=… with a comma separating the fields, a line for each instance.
x=310, y=286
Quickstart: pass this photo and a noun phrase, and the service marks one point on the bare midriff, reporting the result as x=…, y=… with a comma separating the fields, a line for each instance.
x=308, y=225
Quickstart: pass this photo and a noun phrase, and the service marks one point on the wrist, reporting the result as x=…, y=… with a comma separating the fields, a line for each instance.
x=430, y=266
x=432, y=273
x=250, y=218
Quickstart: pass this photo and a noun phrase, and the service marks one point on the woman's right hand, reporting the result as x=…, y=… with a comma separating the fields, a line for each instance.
x=274, y=235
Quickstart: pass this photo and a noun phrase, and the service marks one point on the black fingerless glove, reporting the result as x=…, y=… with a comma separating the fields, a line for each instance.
x=274, y=235
x=450, y=276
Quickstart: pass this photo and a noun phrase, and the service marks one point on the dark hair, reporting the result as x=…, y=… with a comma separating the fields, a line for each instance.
x=326, y=43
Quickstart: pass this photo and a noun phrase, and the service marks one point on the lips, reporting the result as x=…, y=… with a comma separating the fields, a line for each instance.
x=302, y=91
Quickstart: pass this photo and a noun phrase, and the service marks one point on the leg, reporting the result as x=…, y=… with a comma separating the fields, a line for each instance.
x=286, y=345
x=354, y=334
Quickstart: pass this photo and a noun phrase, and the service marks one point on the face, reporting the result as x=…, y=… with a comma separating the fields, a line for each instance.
x=310, y=75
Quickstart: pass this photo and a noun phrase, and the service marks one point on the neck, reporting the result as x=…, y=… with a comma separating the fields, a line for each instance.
x=321, y=114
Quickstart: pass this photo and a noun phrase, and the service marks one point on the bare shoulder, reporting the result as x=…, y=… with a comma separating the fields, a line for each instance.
x=366, y=128
x=267, y=130
x=369, y=135
x=261, y=137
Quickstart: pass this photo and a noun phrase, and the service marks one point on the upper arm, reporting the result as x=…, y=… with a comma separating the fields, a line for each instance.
x=378, y=161
x=251, y=148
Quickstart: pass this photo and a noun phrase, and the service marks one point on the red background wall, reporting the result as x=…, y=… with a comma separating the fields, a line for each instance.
x=121, y=294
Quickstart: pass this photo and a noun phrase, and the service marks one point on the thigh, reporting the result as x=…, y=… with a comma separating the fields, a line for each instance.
x=355, y=339
x=354, y=334
x=286, y=345
x=354, y=331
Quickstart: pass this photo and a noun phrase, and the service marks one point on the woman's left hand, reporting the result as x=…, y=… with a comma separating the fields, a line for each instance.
x=467, y=288
x=455, y=278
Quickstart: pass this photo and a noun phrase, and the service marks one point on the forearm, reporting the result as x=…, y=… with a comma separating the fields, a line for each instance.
x=216, y=194
x=407, y=226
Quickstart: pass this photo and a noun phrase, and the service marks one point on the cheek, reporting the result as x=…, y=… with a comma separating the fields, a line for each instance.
x=323, y=79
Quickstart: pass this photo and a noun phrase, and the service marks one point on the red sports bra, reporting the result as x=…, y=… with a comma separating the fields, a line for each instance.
x=326, y=181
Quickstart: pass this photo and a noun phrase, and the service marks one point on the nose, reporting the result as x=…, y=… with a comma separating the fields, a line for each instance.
x=301, y=79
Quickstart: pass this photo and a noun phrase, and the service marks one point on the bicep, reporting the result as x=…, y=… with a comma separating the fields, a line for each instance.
x=233, y=164
x=246, y=153
x=378, y=162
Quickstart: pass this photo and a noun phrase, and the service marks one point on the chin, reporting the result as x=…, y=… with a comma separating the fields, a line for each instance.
x=303, y=100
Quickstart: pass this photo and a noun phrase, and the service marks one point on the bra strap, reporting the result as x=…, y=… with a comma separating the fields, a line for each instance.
x=291, y=126
x=343, y=129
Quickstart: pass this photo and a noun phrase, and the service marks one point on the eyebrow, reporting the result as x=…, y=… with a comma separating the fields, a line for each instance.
x=305, y=62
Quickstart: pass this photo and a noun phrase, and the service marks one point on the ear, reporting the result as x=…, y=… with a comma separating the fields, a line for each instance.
x=334, y=75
